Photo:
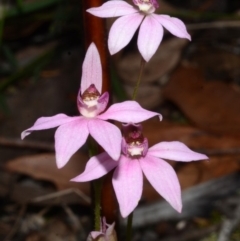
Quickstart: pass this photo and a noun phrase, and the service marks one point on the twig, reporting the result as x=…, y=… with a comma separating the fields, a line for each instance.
x=193, y=235
x=43, y=211
x=60, y=194
x=16, y=225
x=38, y=145
x=219, y=152
x=229, y=225
x=217, y=24
x=195, y=201
x=196, y=15
x=74, y=220
x=43, y=146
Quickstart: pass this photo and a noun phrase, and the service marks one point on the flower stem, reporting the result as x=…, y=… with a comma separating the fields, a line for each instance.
x=95, y=31
x=143, y=62
x=96, y=187
x=129, y=227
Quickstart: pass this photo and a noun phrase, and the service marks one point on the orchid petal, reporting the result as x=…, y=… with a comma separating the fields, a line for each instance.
x=96, y=167
x=102, y=102
x=122, y=31
x=69, y=138
x=174, y=25
x=164, y=180
x=176, y=151
x=128, y=184
x=150, y=37
x=91, y=69
x=113, y=9
x=128, y=112
x=107, y=135
x=48, y=123
x=95, y=234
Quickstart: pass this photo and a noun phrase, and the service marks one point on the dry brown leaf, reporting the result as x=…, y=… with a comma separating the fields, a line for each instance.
x=211, y=105
x=219, y=64
x=43, y=167
x=195, y=138
x=193, y=173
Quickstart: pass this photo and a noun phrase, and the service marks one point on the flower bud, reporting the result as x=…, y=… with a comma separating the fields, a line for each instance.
x=107, y=233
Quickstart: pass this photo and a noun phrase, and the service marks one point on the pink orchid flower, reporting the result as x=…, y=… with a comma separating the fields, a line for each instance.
x=137, y=158
x=73, y=131
x=107, y=233
x=151, y=29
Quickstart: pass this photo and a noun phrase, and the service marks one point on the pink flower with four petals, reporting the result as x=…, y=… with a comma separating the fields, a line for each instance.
x=131, y=17
x=72, y=132
x=136, y=159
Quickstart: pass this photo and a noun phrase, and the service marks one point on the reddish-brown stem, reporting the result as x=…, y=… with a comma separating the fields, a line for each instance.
x=109, y=202
x=95, y=31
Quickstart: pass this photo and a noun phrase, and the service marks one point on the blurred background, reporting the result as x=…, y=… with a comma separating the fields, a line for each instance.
x=194, y=85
